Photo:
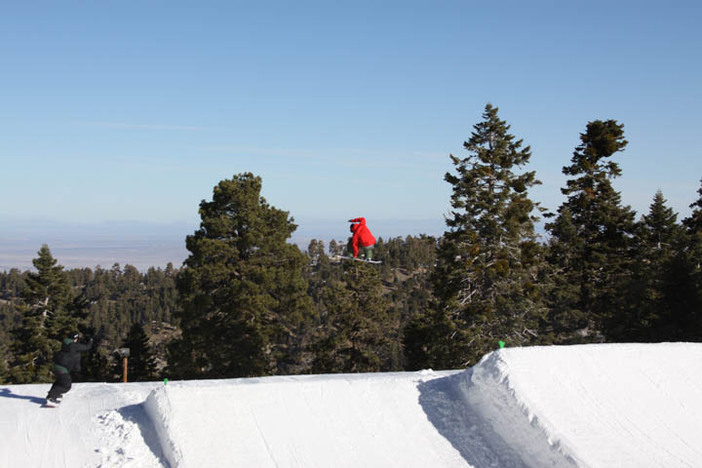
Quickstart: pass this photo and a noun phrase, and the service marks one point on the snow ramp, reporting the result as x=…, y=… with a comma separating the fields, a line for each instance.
x=590, y=405
x=607, y=405
x=360, y=420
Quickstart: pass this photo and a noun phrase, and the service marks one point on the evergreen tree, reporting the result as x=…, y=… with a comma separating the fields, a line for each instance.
x=682, y=319
x=11, y=285
x=590, y=248
x=337, y=247
x=486, y=278
x=4, y=365
x=657, y=237
x=49, y=312
x=357, y=331
x=96, y=364
x=564, y=320
x=141, y=364
x=315, y=251
x=241, y=290
x=694, y=222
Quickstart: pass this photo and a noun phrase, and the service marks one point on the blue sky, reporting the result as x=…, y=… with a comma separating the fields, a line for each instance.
x=127, y=110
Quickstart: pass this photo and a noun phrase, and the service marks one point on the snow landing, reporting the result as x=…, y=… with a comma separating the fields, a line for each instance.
x=626, y=405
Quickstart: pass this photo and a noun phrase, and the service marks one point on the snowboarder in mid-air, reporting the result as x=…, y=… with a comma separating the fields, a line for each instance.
x=67, y=360
x=362, y=240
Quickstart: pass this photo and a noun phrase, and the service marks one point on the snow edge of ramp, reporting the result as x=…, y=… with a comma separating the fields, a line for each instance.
x=479, y=412
x=158, y=407
x=495, y=399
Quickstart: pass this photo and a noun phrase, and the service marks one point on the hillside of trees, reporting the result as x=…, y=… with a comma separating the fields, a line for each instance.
x=247, y=302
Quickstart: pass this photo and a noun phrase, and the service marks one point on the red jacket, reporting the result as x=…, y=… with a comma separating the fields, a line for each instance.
x=361, y=235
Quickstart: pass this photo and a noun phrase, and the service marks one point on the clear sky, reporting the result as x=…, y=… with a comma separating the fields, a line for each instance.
x=131, y=110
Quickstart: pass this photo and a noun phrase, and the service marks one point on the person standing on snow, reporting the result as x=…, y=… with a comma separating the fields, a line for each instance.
x=362, y=239
x=67, y=360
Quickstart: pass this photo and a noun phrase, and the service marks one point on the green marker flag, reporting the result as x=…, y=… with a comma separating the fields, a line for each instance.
x=501, y=343
x=165, y=381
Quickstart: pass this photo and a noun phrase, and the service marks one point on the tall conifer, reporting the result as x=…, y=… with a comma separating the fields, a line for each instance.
x=141, y=362
x=49, y=312
x=591, y=236
x=242, y=293
x=487, y=276
x=683, y=282
x=657, y=238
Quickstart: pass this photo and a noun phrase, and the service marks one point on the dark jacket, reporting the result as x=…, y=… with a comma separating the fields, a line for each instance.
x=68, y=359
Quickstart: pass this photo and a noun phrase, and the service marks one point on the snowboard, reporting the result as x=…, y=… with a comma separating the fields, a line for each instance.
x=375, y=262
x=48, y=404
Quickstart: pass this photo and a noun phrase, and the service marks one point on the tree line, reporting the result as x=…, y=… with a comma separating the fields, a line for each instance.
x=247, y=302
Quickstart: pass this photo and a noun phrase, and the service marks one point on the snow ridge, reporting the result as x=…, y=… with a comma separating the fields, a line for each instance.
x=159, y=409
x=495, y=399
x=479, y=412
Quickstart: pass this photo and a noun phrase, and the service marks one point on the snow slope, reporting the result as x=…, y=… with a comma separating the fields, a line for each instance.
x=627, y=405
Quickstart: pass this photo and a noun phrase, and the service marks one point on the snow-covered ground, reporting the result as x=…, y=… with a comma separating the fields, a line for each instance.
x=627, y=405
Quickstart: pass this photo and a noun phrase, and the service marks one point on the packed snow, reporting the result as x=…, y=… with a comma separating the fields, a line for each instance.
x=624, y=405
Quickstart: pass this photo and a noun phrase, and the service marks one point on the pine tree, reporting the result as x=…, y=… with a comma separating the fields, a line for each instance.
x=315, y=251
x=4, y=366
x=336, y=248
x=657, y=237
x=357, y=331
x=590, y=244
x=11, y=285
x=486, y=278
x=141, y=364
x=564, y=319
x=242, y=293
x=682, y=318
x=50, y=312
x=96, y=364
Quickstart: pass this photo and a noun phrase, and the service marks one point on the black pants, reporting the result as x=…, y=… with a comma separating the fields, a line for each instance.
x=60, y=386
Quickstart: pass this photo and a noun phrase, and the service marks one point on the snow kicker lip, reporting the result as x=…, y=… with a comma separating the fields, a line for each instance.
x=157, y=407
x=477, y=412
